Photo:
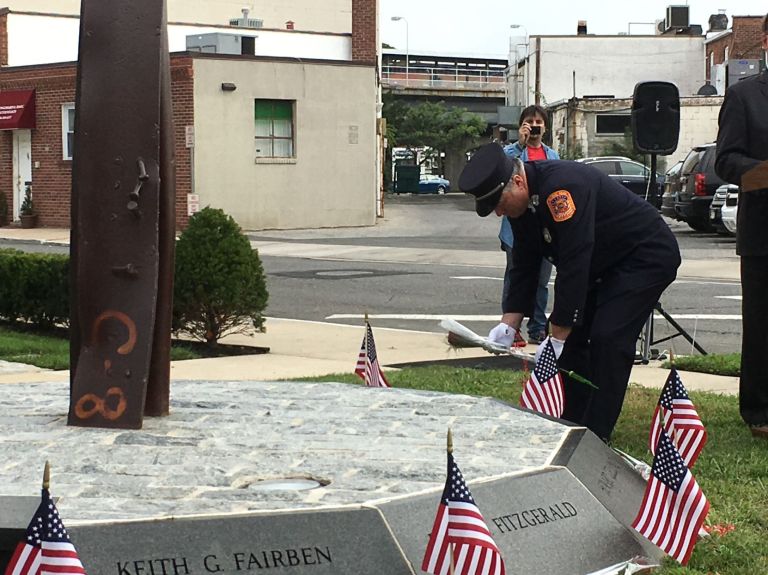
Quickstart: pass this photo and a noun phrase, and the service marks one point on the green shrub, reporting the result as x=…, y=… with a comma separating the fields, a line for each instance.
x=34, y=288
x=219, y=285
x=3, y=209
x=27, y=206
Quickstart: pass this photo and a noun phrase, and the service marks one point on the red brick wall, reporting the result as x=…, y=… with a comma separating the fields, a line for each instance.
x=744, y=43
x=364, y=38
x=52, y=180
x=182, y=95
x=6, y=172
x=4, y=38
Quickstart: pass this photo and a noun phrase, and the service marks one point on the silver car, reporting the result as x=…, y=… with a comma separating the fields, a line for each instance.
x=729, y=210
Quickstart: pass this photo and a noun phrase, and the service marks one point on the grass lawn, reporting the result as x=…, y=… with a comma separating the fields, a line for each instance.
x=732, y=469
x=719, y=364
x=51, y=351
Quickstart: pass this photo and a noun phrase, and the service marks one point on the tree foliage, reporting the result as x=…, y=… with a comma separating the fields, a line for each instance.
x=431, y=125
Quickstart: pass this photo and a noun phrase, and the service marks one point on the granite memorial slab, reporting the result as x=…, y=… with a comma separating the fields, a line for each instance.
x=319, y=542
x=545, y=521
x=316, y=478
x=15, y=513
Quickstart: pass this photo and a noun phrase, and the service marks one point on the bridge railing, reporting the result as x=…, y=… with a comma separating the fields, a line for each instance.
x=443, y=78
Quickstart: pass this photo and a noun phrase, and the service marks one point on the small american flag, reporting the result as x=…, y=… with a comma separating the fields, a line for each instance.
x=674, y=507
x=543, y=392
x=677, y=415
x=367, y=366
x=46, y=548
x=460, y=533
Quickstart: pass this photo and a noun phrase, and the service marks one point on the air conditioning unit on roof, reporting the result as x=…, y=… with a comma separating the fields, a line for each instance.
x=678, y=17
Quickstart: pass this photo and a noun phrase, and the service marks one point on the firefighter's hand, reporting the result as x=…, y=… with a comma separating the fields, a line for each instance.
x=503, y=334
x=557, y=345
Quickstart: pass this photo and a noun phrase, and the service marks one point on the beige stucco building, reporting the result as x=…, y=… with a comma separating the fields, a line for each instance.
x=283, y=135
x=334, y=136
x=590, y=125
x=325, y=16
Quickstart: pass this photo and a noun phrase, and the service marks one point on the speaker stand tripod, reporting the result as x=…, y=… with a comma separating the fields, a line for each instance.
x=646, y=336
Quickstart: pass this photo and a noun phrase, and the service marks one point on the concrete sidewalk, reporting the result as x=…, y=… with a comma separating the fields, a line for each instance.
x=308, y=349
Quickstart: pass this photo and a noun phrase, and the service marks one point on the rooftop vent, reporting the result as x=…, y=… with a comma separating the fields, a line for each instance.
x=246, y=22
x=581, y=28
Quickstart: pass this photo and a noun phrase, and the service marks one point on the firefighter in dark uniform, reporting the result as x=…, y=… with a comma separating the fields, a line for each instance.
x=614, y=257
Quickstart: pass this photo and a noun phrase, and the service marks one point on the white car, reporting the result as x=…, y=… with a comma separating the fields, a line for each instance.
x=729, y=210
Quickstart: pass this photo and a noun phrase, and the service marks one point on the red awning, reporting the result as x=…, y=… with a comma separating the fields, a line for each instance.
x=17, y=110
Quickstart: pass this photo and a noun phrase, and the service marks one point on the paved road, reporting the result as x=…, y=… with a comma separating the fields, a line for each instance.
x=430, y=256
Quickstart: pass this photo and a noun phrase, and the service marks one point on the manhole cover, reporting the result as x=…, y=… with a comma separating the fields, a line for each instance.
x=285, y=485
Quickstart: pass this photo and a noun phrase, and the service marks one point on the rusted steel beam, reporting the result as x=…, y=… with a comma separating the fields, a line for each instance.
x=119, y=225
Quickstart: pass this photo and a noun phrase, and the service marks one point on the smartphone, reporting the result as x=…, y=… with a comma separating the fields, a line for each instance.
x=535, y=130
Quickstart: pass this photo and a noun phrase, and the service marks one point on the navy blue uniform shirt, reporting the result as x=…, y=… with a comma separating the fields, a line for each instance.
x=586, y=224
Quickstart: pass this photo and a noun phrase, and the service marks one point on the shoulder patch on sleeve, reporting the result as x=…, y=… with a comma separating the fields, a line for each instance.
x=561, y=205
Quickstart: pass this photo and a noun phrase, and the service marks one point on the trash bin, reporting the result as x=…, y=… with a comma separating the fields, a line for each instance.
x=407, y=179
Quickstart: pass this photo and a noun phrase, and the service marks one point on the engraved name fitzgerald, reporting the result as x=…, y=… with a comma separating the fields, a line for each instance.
x=238, y=561
x=534, y=517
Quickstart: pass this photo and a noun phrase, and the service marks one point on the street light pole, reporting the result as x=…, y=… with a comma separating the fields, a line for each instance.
x=524, y=99
x=407, y=54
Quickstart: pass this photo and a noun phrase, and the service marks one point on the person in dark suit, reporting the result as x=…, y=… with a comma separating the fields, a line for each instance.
x=742, y=145
x=614, y=257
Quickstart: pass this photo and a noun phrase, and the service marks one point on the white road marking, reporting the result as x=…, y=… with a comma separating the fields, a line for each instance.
x=704, y=316
x=495, y=317
x=416, y=316
x=476, y=278
x=738, y=297
x=708, y=283
x=552, y=282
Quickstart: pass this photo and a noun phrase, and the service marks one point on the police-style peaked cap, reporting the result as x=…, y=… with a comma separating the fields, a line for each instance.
x=485, y=177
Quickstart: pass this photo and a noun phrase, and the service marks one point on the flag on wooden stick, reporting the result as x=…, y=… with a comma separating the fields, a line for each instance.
x=674, y=506
x=543, y=392
x=460, y=542
x=46, y=548
x=676, y=414
x=367, y=366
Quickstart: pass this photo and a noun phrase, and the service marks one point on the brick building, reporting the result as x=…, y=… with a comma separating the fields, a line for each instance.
x=330, y=160
x=51, y=160
x=740, y=43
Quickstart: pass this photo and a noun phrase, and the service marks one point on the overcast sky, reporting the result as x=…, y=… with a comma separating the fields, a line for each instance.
x=483, y=26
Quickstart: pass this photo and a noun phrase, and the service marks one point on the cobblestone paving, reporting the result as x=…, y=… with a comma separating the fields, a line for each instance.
x=223, y=438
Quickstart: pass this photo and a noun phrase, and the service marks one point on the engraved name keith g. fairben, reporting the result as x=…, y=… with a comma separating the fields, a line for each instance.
x=534, y=517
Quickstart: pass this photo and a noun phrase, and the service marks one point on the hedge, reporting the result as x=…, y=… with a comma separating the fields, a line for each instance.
x=34, y=288
x=219, y=284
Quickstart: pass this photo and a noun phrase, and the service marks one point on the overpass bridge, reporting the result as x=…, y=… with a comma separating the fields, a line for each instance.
x=476, y=83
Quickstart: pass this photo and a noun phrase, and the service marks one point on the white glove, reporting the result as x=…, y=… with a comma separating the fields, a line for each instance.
x=503, y=334
x=557, y=345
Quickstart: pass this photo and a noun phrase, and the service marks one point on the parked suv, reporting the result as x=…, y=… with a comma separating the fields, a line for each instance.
x=671, y=189
x=630, y=174
x=698, y=182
